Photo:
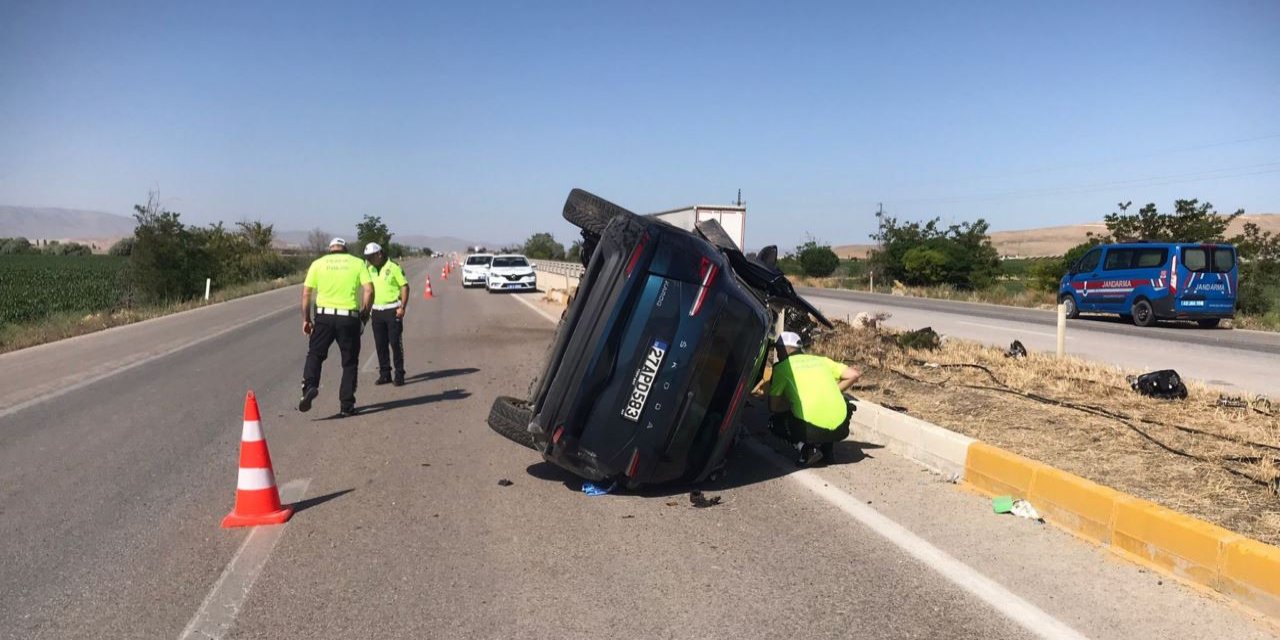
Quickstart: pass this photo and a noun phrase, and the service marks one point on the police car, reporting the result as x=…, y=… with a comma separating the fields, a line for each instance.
x=511, y=273
x=1148, y=281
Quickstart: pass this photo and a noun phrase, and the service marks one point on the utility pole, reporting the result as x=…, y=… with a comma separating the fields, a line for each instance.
x=871, y=285
x=739, y=197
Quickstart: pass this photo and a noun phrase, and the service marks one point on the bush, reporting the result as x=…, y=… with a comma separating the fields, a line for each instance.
x=815, y=259
x=960, y=255
x=542, y=246
x=925, y=265
x=122, y=248
x=15, y=246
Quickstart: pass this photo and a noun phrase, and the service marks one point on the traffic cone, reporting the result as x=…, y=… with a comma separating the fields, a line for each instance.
x=444, y=273
x=257, y=498
x=426, y=293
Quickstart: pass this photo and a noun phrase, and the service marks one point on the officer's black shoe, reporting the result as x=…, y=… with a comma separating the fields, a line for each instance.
x=347, y=411
x=383, y=380
x=809, y=456
x=399, y=381
x=308, y=394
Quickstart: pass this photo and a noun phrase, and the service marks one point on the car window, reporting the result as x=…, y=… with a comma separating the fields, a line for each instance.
x=1146, y=258
x=510, y=262
x=1090, y=260
x=1195, y=259
x=474, y=260
x=1118, y=259
x=1224, y=260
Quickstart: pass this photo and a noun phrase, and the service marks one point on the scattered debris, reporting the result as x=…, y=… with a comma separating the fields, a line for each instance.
x=865, y=320
x=672, y=503
x=426, y=464
x=894, y=407
x=593, y=489
x=1165, y=384
x=926, y=339
x=952, y=478
x=1236, y=402
x=702, y=502
x=627, y=517
x=932, y=365
x=505, y=483
x=1016, y=350
x=1020, y=508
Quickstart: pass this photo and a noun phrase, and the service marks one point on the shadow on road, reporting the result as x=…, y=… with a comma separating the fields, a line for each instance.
x=431, y=398
x=303, y=505
x=436, y=375
x=743, y=467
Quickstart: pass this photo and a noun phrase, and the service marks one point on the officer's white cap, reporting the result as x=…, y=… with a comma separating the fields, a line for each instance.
x=372, y=248
x=337, y=242
x=790, y=339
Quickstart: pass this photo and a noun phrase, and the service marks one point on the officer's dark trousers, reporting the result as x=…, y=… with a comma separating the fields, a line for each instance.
x=345, y=330
x=387, y=333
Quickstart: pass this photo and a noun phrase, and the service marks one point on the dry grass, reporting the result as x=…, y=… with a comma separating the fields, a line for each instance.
x=1218, y=464
x=68, y=325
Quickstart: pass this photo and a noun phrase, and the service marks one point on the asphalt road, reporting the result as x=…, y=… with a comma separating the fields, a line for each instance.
x=111, y=492
x=1236, y=360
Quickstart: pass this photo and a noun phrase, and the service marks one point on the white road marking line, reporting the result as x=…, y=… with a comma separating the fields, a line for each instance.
x=238, y=326
x=1010, y=329
x=1029, y=616
x=218, y=612
x=368, y=362
x=539, y=310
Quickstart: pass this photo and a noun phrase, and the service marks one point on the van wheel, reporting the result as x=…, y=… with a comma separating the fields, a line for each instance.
x=510, y=418
x=1069, y=301
x=1143, y=315
x=1209, y=323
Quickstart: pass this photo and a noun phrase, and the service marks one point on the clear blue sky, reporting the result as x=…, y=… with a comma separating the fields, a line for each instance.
x=475, y=119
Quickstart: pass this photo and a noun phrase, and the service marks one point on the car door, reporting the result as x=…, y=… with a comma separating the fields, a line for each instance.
x=1086, y=271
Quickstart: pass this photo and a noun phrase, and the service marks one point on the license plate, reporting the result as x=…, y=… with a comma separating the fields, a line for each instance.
x=643, y=381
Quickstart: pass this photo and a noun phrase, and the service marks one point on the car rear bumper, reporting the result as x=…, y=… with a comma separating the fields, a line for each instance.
x=1168, y=309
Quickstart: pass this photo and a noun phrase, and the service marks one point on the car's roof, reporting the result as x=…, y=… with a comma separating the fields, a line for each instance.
x=511, y=255
x=1167, y=244
x=480, y=255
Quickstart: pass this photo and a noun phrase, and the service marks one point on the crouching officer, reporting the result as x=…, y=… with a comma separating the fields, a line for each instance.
x=807, y=396
x=390, y=295
x=343, y=291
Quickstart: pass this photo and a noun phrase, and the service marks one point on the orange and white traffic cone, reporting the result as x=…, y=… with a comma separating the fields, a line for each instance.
x=257, y=497
x=426, y=293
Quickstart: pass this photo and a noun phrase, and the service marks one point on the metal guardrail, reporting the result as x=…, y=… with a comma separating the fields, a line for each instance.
x=570, y=269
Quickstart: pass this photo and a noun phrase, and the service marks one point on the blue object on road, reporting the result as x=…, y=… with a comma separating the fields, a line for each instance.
x=593, y=489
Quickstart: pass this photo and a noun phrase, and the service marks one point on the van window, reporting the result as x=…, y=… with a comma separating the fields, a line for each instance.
x=1090, y=261
x=1209, y=260
x=1135, y=258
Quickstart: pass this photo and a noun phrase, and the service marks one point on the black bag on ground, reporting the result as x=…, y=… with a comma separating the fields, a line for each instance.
x=1165, y=384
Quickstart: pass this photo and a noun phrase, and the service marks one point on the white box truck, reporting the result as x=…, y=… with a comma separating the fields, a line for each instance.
x=732, y=218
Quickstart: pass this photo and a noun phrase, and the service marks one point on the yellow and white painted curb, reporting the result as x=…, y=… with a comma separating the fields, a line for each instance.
x=1240, y=568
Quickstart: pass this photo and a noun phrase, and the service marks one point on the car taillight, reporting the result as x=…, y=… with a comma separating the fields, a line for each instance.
x=708, y=271
x=555, y=437
x=1173, y=275
x=733, y=406
x=635, y=255
x=634, y=465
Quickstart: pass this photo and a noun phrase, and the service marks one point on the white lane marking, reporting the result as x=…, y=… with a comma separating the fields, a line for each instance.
x=1010, y=329
x=238, y=326
x=368, y=362
x=539, y=310
x=218, y=612
x=1029, y=616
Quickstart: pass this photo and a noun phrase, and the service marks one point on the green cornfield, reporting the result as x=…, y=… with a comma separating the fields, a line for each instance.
x=35, y=286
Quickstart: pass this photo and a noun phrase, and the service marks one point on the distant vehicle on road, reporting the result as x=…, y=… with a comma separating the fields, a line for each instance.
x=656, y=353
x=475, y=271
x=511, y=273
x=1145, y=282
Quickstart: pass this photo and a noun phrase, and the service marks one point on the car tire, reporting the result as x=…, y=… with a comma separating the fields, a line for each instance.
x=590, y=213
x=1209, y=323
x=1069, y=301
x=510, y=418
x=1143, y=314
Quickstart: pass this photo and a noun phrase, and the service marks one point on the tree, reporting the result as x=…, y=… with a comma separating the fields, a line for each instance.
x=542, y=246
x=817, y=260
x=1046, y=273
x=11, y=246
x=166, y=261
x=1259, y=253
x=1191, y=221
x=317, y=242
x=258, y=235
x=123, y=247
x=371, y=229
x=574, y=254
x=970, y=262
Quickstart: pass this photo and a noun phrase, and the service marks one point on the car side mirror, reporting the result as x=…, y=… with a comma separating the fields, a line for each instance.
x=533, y=265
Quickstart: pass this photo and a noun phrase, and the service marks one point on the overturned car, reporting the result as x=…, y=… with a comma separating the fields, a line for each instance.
x=656, y=354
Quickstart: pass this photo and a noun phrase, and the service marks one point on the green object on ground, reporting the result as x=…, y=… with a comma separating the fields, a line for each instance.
x=1002, y=504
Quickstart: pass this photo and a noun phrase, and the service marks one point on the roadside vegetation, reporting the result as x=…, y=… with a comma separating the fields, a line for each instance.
x=958, y=262
x=54, y=291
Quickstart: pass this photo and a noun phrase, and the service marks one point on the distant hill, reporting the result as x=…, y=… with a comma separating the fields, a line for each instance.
x=1055, y=241
x=49, y=223
x=436, y=243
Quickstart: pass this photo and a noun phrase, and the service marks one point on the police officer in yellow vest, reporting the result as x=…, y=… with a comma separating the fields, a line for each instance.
x=390, y=295
x=807, y=396
x=343, y=293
